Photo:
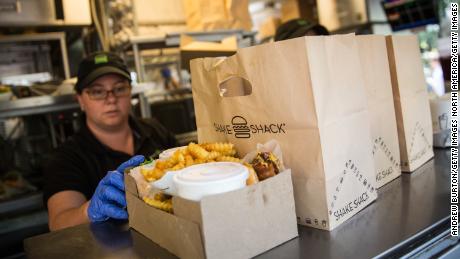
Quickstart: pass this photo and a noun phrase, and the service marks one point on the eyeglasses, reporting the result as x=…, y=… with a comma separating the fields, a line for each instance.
x=101, y=94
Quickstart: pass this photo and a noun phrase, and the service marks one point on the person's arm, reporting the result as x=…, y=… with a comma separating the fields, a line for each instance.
x=69, y=208
x=66, y=209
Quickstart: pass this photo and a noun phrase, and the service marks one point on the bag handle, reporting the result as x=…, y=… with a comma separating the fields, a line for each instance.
x=230, y=81
x=223, y=72
x=234, y=86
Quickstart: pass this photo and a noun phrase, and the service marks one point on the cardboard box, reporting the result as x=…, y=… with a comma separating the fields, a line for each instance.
x=191, y=49
x=237, y=224
x=411, y=102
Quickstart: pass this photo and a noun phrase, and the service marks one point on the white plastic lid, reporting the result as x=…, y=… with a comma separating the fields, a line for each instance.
x=212, y=173
x=198, y=181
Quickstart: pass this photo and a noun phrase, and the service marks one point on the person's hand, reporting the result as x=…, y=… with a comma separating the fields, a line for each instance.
x=109, y=199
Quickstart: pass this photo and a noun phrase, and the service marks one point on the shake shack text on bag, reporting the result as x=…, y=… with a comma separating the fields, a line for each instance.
x=308, y=94
x=240, y=128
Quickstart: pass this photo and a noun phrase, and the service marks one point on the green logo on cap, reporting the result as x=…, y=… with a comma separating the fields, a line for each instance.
x=302, y=22
x=101, y=59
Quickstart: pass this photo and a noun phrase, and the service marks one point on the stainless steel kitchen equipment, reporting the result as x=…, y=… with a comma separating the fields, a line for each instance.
x=29, y=53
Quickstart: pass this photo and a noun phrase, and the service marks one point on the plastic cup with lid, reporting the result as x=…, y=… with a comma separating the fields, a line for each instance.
x=198, y=181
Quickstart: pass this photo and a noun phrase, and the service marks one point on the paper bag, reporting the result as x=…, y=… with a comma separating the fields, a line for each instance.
x=411, y=101
x=377, y=81
x=207, y=15
x=308, y=94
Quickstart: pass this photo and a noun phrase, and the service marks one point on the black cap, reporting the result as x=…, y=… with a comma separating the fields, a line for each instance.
x=298, y=28
x=99, y=64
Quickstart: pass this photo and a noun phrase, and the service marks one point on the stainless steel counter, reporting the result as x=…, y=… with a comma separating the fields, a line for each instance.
x=405, y=207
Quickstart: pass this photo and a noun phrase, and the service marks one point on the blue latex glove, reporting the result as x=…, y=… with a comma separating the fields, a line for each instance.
x=109, y=199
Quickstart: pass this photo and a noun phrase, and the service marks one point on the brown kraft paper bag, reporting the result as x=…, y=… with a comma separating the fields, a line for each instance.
x=207, y=15
x=411, y=102
x=377, y=81
x=308, y=94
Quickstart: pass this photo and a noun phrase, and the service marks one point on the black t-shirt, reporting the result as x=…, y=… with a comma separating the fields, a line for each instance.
x=82, y=161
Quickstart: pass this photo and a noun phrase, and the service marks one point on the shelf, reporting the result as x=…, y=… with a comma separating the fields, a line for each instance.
x=56, y=23
x=173, y=39
x=37, y=105
x=32, y=37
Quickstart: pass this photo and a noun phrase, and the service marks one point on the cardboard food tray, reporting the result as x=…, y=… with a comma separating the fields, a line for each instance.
x=237, y=224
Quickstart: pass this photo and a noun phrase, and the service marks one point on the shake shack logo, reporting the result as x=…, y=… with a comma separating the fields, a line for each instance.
x=242, y=129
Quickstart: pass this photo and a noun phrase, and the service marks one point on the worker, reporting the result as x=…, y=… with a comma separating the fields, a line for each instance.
x=84, y=178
